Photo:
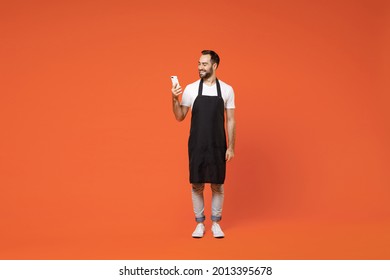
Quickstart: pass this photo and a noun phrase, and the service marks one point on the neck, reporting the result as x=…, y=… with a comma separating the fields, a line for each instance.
x=210, y=81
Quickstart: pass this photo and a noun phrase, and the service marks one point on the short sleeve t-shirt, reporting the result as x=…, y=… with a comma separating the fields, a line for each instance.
x=191, y=92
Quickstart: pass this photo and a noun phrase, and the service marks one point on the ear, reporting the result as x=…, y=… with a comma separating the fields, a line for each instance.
x=215, y=66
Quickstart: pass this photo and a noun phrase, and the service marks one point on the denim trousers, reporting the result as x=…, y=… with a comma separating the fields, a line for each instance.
x=216, y=202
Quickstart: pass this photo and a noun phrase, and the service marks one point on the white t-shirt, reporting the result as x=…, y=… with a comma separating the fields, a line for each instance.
x=191, y=92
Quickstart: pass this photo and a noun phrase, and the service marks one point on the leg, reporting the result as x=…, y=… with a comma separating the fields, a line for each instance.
x=216, y=212
x=198, y=202
x=217, y=202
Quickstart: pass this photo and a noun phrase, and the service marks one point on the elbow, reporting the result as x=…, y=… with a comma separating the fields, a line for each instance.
x=179, y=118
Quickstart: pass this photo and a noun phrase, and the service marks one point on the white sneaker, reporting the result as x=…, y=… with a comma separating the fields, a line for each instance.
x=199, y=231
x=217, y=231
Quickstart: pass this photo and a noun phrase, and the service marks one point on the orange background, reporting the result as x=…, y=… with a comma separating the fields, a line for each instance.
x=93, y=164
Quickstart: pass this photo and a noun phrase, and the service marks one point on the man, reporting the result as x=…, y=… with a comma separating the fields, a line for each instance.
x=209, y=99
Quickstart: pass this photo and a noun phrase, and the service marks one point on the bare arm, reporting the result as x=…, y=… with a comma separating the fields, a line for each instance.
x=179, y=111
x=231, y=131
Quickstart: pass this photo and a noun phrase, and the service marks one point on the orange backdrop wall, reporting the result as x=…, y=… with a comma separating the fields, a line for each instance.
x=93, y=164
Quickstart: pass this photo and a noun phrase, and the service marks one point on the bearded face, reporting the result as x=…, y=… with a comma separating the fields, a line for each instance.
x=205, y=67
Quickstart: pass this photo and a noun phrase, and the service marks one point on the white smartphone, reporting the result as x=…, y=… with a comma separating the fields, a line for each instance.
x=175, y=80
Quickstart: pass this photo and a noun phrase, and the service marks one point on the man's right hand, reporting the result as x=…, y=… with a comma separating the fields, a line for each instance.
x=176, y=91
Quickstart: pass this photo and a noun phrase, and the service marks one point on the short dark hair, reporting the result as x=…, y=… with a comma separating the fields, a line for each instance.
x=214, y=56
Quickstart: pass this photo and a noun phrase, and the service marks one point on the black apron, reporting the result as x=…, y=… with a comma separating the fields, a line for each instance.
x=207, y=141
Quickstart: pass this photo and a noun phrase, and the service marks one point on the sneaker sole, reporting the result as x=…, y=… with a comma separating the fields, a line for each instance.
x=197, y=237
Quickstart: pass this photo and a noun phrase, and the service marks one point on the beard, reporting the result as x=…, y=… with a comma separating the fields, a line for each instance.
x=206, y=74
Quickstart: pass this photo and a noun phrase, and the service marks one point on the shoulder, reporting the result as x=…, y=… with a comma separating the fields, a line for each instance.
x=193, y=86
x=225, y=85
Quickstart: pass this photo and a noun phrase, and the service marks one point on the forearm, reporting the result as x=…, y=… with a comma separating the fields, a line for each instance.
x=231, y=131
x=177, y=109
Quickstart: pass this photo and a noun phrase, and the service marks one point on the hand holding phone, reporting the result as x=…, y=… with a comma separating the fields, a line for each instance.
x=175, y=81
x=176, y=88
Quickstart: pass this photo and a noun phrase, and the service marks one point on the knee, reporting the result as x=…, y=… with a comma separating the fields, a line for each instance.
x=197, y=188
x=217, y=188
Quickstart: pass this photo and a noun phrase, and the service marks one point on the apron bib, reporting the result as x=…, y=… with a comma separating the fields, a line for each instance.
x=207, y=141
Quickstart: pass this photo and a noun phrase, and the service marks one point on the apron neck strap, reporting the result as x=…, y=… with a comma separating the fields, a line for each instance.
x=218, y=88
x=200, y=89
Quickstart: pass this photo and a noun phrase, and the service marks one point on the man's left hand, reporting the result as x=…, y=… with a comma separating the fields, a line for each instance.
x=229, y=154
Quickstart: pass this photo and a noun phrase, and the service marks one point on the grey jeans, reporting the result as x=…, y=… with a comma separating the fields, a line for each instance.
x=216, y=202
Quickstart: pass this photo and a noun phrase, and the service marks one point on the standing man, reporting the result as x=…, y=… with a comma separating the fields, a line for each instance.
x=209, y=99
